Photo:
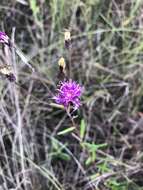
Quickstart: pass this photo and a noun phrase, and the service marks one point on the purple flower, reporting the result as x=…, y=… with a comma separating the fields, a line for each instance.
x=69, y=94
x=4, y=38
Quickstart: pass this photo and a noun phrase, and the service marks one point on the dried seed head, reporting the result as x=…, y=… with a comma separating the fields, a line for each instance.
x=61, y=63
x=62, y=72
x=7, y=71
x=67, y=36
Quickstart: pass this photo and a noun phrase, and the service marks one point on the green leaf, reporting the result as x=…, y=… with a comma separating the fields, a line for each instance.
x=93, y=156
x=66, y=131
x=82, y=129
x=56, y=105
x=88, y=161
x=64, y=156
x=93, y=147
x=104, y=167
x=34, y=7
x=55, y=144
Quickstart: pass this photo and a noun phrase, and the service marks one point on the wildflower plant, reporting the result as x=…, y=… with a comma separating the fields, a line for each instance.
x=7, y=69
x=69, y=91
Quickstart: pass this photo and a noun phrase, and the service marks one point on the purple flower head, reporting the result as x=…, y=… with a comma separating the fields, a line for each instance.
x=69, y=94
x=4, y=38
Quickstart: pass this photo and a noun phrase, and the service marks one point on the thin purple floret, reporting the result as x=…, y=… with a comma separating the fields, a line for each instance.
x=69, y=93
x=4, y=38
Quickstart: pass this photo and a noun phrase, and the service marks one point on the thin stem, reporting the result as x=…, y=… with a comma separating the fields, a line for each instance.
x=70, y=62
x=76, y=136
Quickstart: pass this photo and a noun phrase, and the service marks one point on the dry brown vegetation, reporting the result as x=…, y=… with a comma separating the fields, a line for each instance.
x=106, y=58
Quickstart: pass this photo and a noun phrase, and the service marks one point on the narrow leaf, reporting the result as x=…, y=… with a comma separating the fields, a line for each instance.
x=82, y=129
x=66, y=131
